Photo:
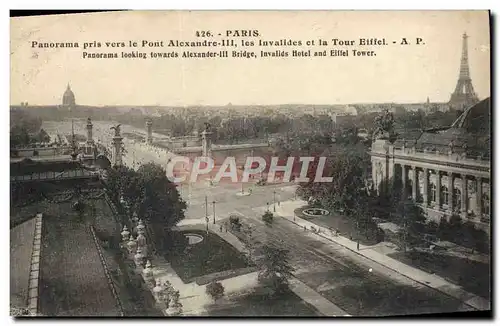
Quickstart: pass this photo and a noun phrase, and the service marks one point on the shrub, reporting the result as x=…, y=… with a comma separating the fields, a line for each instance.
x=443, y=228
x=432, y=227
x=455, y=225
x=268, y=218
x=215, y=290
x=469, y=232
x=482, y=241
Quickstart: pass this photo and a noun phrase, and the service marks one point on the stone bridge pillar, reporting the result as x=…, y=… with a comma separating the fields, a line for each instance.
x=90, y=141
x=206, y=144
x=117, y=147
x=149, y=131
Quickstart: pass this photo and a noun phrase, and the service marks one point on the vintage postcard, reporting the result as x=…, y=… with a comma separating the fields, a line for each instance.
x=250, y=163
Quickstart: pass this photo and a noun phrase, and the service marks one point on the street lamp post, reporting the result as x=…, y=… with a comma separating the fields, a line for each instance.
x=213, y=203
x=274, y=199
x=206, y=211
x=357, y=227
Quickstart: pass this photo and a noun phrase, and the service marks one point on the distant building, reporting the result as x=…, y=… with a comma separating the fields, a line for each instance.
x=344, y=120
x=68, y=98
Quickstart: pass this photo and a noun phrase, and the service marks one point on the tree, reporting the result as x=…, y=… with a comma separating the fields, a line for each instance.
x=347, y=136
x=160, y=203
x=19, y=136
x=268, y=218
x=274, y=268
x=412, y=220
x=215, y=290
x=348, y=166
x=148, y=192
x=411, y=120
x=358, y=208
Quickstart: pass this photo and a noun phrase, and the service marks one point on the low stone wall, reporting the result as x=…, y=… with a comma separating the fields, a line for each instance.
x=106, y=272
x=33, y=287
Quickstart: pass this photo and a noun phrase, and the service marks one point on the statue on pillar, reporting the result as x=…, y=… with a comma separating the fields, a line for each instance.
x=117, y=130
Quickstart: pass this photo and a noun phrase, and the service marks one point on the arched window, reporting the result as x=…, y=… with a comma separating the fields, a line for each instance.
x=433, y=193
x=486, y=204
x=444, y=195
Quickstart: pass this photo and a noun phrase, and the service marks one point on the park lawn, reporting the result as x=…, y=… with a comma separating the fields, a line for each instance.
x=473, y=276
x=254, y=304
x=345, y=226
x=212, y=255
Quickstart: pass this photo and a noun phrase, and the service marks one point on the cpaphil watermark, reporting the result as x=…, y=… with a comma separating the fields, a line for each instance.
x=181, y=169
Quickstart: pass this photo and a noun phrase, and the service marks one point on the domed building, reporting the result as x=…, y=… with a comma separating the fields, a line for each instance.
x=447, y=172
x=68, y=98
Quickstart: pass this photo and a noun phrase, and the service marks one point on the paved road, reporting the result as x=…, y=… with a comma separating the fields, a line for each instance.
x=344, y=278
x=339, y=275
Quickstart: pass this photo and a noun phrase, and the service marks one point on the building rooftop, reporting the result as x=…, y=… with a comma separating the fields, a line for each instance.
x=469, y=134
x=27, y=166
x=72, y=278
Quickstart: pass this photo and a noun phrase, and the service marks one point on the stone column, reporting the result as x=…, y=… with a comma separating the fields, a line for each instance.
x=117, y=150
x=90, y=140
x=391, y=170
x=450, y=192
x=438, y=189
x=463, y=200
x=414, y=183
x=425, y=195
x=403, y=179
x=479, y=196
x=149, y=132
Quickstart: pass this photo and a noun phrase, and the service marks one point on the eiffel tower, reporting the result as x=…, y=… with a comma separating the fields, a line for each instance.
x=464, y=95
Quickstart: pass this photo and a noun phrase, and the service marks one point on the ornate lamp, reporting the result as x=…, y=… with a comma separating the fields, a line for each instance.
x=141, y=240
x=142, y=244
x=131, y=245
x=148, y=273
x=139, y=257
x=140, y=227
x=158, y=290
x=125, y=234
x=135, y=218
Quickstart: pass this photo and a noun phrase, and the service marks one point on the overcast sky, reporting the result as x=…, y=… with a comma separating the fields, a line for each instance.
x=397, y=74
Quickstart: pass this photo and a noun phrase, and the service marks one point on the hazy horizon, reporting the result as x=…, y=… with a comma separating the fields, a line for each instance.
x=234, y=105
x=403, y=75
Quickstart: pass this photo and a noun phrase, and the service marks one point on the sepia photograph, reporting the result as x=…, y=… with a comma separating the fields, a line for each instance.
x=250, y=164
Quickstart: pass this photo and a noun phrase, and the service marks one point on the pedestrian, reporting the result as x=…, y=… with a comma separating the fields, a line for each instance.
x=358, y=245
x=221, y=228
